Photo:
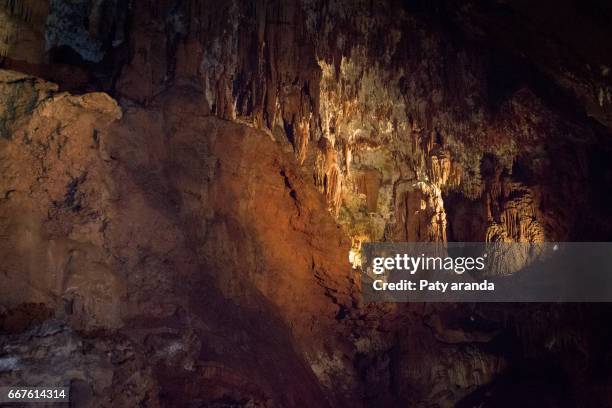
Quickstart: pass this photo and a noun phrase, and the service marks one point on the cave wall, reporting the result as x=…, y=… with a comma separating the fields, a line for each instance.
x=379, y=101
x=183, y=221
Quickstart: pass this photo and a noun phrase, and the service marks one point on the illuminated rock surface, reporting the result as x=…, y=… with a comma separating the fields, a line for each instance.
x=178, y=227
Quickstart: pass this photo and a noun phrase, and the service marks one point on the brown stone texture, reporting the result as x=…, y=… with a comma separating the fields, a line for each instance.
x=178, y=228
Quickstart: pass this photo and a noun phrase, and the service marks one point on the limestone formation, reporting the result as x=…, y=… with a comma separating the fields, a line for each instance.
x=186, y=187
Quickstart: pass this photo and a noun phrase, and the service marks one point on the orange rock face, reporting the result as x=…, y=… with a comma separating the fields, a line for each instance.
x=179, y=230
x=126, y=223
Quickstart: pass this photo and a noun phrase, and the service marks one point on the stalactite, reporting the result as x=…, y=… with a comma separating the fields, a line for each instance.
x=442, y=171
x=33, y=12
x=7, y=34
x=511, y=212
x=17, y=16
x=327, y=174
x=7, y=38
x=302, y=138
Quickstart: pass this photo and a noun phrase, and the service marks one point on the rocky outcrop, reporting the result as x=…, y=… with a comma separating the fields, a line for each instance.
x=121, y=229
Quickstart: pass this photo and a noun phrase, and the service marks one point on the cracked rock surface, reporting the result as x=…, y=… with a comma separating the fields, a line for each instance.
x=180, y=207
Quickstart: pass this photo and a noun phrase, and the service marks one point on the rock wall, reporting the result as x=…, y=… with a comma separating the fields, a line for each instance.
x=181, y=227
x=383, y=91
